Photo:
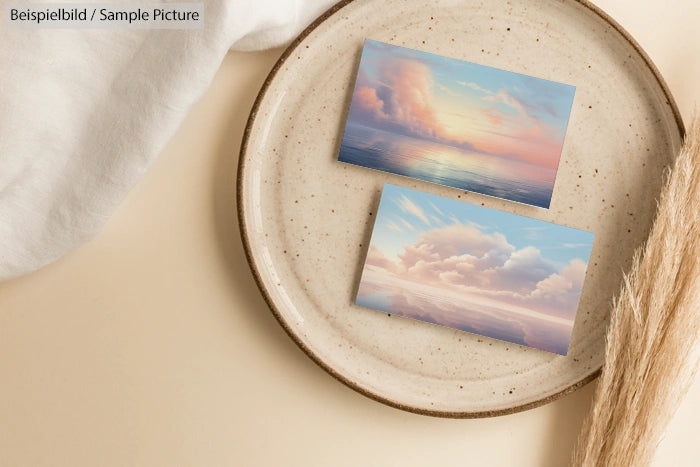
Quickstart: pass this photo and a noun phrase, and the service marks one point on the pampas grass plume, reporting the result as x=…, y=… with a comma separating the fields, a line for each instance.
x=654, y=326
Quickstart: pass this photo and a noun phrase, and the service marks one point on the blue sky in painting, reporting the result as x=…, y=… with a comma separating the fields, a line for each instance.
x=398, y=225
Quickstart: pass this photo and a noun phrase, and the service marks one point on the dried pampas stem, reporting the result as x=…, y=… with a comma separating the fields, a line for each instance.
x=654, y=325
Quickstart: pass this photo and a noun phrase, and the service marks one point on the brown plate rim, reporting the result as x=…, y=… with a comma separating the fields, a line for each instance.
x=273, y=307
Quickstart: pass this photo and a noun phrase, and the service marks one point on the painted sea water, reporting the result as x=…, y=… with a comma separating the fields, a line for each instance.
x=447, y=165
x=465, y=313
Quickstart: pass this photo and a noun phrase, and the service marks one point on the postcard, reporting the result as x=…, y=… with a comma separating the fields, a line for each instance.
x=456, y=123
x=475, y=269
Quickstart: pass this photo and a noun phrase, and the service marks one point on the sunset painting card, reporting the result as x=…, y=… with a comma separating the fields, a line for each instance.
x=475, y=269
x=456, y=123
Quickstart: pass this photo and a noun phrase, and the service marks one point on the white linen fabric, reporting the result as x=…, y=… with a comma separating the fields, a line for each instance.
x=83, y=113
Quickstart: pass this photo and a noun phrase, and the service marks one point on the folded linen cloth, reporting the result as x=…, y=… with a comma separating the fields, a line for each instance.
x=83, y=113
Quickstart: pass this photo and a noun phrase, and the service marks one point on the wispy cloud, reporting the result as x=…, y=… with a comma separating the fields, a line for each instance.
x=447, y=90
x=436, y=209
x=408, y=225
x=410, y=207
x=392, y=226
x=474, y=224
x=504, y=97
x=437, y=221
x=475, y=87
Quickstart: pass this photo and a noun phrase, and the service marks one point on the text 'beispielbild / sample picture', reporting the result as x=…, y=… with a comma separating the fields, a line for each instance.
x=475, y=269
x=456, y=123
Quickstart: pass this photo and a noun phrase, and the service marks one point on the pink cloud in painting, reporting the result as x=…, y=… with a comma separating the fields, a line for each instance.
x=562, y=287
x=462, y=258
x=376, y=258
x=407, y=101
x=412, y=97
x=403, y=96
x=368, y=101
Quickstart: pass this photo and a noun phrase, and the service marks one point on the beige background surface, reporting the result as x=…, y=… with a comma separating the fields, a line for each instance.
x=151, y=344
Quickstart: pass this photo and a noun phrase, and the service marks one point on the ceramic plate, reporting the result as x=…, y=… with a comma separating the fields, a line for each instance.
x=306, y=219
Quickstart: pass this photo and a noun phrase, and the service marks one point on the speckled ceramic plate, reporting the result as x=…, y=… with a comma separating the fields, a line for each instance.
x=306, y=219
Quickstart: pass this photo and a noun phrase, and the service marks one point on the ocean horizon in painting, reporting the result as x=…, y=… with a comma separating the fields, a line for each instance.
x=475, y=269
x=456, y=123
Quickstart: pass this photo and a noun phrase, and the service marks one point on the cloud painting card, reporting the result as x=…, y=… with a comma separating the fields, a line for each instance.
x=475, y=269
x=456, y=123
